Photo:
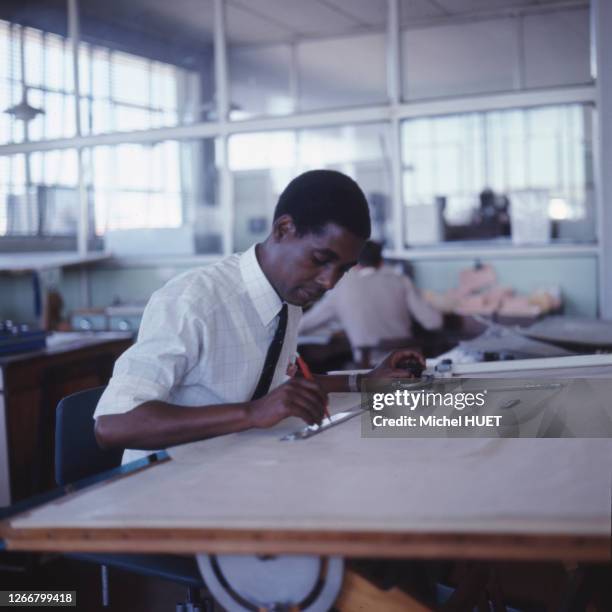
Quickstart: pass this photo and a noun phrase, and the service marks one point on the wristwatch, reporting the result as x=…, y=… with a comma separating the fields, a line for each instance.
x=353, y=383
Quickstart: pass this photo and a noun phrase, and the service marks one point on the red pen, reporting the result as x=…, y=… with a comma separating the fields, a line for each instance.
x=308, y=376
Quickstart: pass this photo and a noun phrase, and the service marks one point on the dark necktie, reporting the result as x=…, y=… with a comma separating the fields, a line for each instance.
x=274, y=350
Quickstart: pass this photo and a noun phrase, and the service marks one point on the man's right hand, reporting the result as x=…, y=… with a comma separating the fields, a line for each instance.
x=297, y=397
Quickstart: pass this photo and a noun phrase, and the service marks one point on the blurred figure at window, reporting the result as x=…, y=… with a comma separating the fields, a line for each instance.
x=374, y=304
x=492, y=219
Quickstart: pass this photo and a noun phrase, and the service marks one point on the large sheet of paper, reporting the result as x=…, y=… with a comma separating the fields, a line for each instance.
x=338, y=480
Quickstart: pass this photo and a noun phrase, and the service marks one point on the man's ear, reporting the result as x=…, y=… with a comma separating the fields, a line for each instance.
x=283, y=227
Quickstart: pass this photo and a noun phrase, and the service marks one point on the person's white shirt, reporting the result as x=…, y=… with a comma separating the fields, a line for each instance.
x=372, y=304
x=203, y=340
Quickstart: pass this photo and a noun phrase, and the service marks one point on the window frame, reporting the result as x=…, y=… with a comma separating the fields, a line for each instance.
x=392, y=112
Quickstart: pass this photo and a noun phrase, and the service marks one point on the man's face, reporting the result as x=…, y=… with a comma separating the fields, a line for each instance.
x=308, y=266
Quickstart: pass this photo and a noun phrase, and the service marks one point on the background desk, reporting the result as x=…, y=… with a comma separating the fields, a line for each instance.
x=338, y=493
x=31, y=385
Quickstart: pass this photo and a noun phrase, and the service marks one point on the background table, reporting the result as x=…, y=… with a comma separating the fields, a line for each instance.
x=31, y=385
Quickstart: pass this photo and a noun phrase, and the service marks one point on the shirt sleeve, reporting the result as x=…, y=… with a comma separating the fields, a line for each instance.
x=323, y=312
x=169, y=344
x=424, y=313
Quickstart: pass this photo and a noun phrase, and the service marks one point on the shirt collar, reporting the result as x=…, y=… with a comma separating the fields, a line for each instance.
x=262, y=294
x=366, y=271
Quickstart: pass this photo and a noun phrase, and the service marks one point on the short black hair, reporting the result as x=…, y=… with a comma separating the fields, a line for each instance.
x=319, y=197
x=371, y=254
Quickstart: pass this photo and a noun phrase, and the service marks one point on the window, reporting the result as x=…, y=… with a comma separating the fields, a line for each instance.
x=36, y=94
x=524, y=173
x=519, y=176
x=496, y=54
x=263, y=163
x=39, y=194
x=157, y=197
x=119, y=91
x=260, y=81
x=128, y=186
x=307, y=75
x=136, y=186
x=122, y=92
x=342, y=71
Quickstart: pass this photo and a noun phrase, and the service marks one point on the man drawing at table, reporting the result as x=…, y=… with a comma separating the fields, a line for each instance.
x=215, y=342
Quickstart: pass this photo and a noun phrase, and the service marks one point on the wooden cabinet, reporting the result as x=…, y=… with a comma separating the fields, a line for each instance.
x=31, y=385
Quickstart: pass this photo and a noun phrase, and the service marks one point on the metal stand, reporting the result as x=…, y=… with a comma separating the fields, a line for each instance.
x=104, y=582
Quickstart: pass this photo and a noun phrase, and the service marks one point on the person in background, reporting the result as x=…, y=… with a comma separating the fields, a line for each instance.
x=372, y=303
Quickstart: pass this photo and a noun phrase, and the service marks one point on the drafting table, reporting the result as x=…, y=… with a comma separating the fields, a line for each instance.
x=338, y=493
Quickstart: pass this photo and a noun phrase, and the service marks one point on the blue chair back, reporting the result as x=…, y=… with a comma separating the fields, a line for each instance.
x=77, y=454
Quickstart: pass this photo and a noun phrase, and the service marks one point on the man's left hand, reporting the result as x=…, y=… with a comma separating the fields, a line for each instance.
x=394, y=365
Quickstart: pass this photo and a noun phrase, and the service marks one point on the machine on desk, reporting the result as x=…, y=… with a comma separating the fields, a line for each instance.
x=19, y=338
x=120, y=317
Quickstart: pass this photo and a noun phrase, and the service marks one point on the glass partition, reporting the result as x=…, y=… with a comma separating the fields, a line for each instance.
x=263, y=163
x=260, y=81
x=157, y=198
x=39, y=200
x=496, y=54
x=342, y=72
x=36, y=78
x=523, y=175
x=145, y=65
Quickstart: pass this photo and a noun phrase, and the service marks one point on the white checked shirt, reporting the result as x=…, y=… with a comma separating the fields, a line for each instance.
x=372, y=304
x=203, y=340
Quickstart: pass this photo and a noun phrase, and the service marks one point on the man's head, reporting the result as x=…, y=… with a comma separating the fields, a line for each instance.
x=320, y=225
x=371, y=255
